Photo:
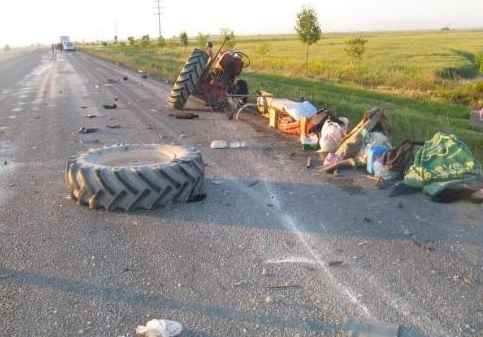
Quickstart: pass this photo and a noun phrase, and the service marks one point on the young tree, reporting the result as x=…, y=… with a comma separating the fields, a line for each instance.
x=263, y=49
x=201, y=39
x=308, y=28
x=356, y=48
x=145, y=41
x=228, y=33
x=131, y=40
x=183, y=38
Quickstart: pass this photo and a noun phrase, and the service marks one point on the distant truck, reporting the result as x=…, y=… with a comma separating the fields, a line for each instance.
x=67, y=44
x=64, y=39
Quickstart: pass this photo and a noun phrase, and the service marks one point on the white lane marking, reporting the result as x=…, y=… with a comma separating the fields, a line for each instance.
x=290, y=223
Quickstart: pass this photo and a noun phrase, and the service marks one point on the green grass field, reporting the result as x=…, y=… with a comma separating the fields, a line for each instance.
x=426, y=81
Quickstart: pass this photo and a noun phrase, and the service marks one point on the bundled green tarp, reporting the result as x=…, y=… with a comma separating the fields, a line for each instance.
x=444, y=162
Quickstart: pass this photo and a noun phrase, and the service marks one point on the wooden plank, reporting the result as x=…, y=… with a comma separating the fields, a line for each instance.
x=272, y=118
x=304, y=126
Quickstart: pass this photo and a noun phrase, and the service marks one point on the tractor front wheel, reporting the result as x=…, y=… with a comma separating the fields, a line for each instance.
x=188, y=79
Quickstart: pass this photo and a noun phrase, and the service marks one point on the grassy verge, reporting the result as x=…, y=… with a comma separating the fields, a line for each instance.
x=411, y=118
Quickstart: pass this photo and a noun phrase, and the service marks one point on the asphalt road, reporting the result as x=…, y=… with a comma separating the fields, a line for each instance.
x=256, y=258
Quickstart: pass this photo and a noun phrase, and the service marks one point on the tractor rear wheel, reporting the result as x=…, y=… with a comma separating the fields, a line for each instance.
x=130, y=177
x=188, y=79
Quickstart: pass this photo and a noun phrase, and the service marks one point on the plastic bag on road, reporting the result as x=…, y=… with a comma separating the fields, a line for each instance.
x=160, y=328
x=223, y=144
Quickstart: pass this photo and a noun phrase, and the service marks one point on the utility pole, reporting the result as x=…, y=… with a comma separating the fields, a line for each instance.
x=116, y=37
x=159, y=12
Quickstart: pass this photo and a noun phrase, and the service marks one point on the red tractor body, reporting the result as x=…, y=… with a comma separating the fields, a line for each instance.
x=215, y=85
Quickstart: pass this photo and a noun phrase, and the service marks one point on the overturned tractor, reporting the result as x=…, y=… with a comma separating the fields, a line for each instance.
x=213, y=81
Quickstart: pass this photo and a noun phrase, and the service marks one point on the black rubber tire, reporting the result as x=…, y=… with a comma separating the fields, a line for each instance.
x=188, y=79
x=242, y=89
x=127, y=187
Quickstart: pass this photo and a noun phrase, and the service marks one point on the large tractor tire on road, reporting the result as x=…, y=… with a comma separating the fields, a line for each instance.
x=188, y=79
x=130, y=177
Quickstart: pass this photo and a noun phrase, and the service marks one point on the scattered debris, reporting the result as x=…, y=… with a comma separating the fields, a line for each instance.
x=5, y=162
x=367, y=220
x=198, y=198
x=269, y=300
x=242, y=282
x=115, y=99
x=95, y=141
x=112, y=118
x=216, y=182
x=400, y=206
x=116, y=126
x=111, y=80
x=140, y=71
x=144, y=77
x=222, y=144
x=287, y=286
x=97, y=86
x=407, y=232
x=110, y=106
x=154, y=110
x=253, y=183
x=160, y=328
x=83, y=107
x=270, y=205
x=37, y=117
x=91, y=116
x=87, y=130
x=183, y=136
x=425, y=245
x=309, y=162
x=125, y=78
x=184, y=115
x=335, y=263
x=219, y=144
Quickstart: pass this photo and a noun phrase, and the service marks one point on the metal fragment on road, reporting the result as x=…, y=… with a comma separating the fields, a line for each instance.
x=87, y=130
x=369, y=328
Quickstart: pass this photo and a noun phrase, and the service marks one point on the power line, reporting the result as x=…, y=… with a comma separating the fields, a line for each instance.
x=159, y=12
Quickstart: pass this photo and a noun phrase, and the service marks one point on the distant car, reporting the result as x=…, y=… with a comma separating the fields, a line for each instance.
x=69, y=46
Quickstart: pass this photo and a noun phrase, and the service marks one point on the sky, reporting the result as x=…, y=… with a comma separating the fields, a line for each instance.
x=23, y=22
